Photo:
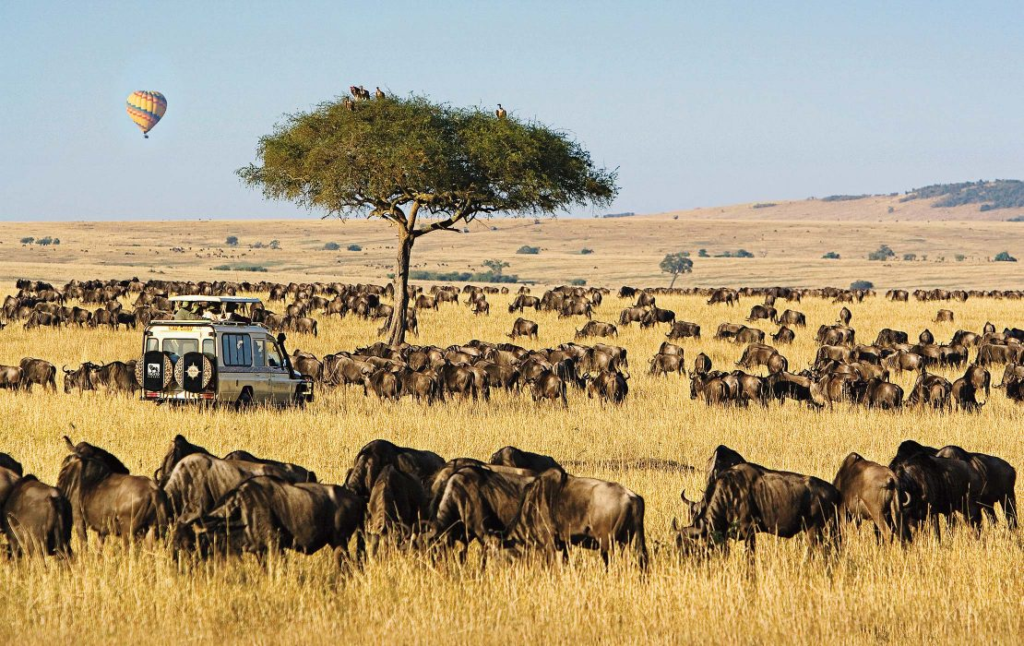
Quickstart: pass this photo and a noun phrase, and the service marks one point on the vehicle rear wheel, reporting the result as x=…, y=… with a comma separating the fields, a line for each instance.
x=299, y=400
x=245, y=399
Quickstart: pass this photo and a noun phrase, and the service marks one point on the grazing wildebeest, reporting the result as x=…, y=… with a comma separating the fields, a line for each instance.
x=596, y=328
x=702, y=364
x=376, y=455
x=523, y=327
x=998, y=482
x=964, y=394
x=763, y=312
x=784, y=335
x=266, y=513
x=944, y=316
x=608, y=385
x=559, y=510
x=935, y=486
x=398, y=503
x=746, y=499
x=547, y=385
x=38, y=371
x=870, y=491
x=979, y=378
x=845, y=316
x=34, y=517
x=756, y=354
x=523, y=301
x=106, y=498
x=114, y=377
x=663, y=364
x=510, y=456
x=11, y=377
x=879, y=393
x=792, y=317
x=888, y=337
x=684, y=329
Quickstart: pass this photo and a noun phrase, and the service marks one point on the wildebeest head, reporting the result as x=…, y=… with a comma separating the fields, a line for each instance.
x=80, y=378
x=180, y=447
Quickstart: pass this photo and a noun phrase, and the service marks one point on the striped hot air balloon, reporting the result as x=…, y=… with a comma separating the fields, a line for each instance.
x=145, y=109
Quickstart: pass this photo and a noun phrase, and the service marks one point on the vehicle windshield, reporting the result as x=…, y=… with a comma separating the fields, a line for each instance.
x=179, y=347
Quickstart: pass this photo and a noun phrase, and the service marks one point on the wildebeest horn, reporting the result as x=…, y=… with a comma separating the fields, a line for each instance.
x=65, y=369
x=685, y=499
x=675, y=524
x=907, y=502
x=67, y=440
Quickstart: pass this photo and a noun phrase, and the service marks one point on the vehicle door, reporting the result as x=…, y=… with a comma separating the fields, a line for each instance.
x=236, y=370
x=278, y=373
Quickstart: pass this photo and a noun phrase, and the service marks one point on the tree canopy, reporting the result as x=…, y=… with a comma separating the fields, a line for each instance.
x=675, y=264
x=423, y=166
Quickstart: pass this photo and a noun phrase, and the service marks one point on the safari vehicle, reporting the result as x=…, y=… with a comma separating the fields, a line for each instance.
x=212, y=351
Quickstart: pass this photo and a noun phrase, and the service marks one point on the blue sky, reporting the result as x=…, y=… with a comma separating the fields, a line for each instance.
x=697, y=104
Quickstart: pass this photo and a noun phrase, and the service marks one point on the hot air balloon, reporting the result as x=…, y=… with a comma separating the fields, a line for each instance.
x=145, y=109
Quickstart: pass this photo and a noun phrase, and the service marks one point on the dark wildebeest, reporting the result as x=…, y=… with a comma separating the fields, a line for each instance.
x=376, y=455
x=11, y=377
x=979, y=378
x=888, y=337
x=657, y=315
x=608, y=385
x=784, y=335
x=398, y=503
x=547, y=385
x=663, y=364
x=944, y=316
x=747, y=499
x=523, y=301
x=756, y=354
x=596, y=328
x=36, y=518
x=558, y=510
x=114, y=377
x=702, y=364
x=523, y=327
x=926, y=337
x=998, y=482
x=964, y=394
x=7, y=462
x=935, y=486
x=763, y=312
x=845, y=316
x=266, y=513
x=879, y=393
x=510, y=456
x=38, y=371
x=870, y=491
x=684, y=329
x=792, y=317
x=106, y=498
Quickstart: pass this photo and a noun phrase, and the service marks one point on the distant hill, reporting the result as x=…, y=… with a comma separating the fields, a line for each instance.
x=991, y=195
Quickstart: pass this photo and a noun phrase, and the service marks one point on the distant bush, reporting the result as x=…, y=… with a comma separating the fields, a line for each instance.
x=831, y=256
x=232, y=241
x=764, y=205
x=843, y=198
x=44, y=242
x=740, y=253
x=275, y=244
x=354, y=247
x=892, y=209
x=960, y=257
x=462, y=276
x=331, y=246
x=28, y=240
x=862, y=284
x=586, y=252
x=910, y=256
x=882, y=253
x=1016, y=218
x=990, y=195
x=528, y=250
x=703, y=253
x=1004, y=256
x=578, y=282
x=255, y=268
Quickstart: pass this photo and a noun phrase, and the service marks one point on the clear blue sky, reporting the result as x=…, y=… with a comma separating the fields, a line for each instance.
x=698, y=104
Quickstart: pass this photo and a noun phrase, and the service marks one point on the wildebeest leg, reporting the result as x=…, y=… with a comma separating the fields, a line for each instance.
x=1009, y=504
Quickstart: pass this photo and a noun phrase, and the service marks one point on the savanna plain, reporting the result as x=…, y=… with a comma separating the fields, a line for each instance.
x=962, y=589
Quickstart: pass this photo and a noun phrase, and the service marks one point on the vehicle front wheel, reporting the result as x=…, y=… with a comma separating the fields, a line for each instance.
x=245, y=399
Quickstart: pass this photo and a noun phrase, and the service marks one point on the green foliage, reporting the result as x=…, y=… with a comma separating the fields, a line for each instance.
x=354, y=247
x=910, y=257
x=843, y=198
x=1004, y=256
x=703, y=253
x=960, y=257
x=44, y=242
x=862, y=284
x=585, y=251
x=1016, y=218
x=496, y=266
x=462, y=276
x=578, y=282
x=275, y=244
x=764, y=205
x=239, y=267
x=739, y=253
x=28, y=240
x=232, y=241
x=996, y=194
x=831, y=255
x=528, y=250
x=331, y=246
x=676, y=263
x=882, y=253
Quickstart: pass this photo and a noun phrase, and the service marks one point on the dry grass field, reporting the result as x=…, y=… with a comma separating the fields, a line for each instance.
x=963, y=589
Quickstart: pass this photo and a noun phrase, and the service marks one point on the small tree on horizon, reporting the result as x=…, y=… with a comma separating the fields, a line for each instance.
x=496, y=266
x=423, y=167
x=675, y=264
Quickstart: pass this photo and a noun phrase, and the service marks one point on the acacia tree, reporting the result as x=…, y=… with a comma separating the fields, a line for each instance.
x=423, y=167
x=675, y=264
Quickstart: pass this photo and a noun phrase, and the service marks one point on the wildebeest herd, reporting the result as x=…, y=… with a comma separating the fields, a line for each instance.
x=844, y=369
x=515, y=503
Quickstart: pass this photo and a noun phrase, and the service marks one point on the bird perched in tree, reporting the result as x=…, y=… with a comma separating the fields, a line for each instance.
x=380, y=93
x=364, y=93
x=354, y=91
x=349, y=104
x=501, y=112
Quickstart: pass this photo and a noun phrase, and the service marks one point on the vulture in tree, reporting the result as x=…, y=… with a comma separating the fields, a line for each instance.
x=380, y=93
x=500, y=112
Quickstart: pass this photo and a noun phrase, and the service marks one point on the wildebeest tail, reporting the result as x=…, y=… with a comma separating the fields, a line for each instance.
x=639, y=536
x=59, y=540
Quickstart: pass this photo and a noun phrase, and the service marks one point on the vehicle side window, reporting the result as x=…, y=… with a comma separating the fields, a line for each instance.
x=236, y=350
x=209, y=347
x=273, y=355
x=259, y=353
x=152, y=344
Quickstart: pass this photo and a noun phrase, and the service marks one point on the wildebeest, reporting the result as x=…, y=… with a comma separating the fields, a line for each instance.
x=34, y=517
x=870, y=491
x=266, y=513
x=523, y=327
x=114, y=377
x=998, y=482
x=559, y=510
x=888, y=337
x=684, y=329
x=596, y=328
x=106, y=498
x=935, y=486
x=702, y=364
x=763, y=312
x=11, y=377
x=608, y=385
x=792, y=317
x=397, y=504
x=377, y=454
x=38, y=371
x=879, y=393
x=663, y=364
x=510, y=456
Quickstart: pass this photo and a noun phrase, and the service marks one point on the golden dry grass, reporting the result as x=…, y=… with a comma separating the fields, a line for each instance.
x=961, y=590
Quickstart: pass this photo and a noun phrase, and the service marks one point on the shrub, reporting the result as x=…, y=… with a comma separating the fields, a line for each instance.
x=764, y=205
x=831, y=256
x=528, y=250
x=354, y=247
x=56, y=241
x=586, y=252
x=1004, y=256
x=275, y=244
x=743, y=253
x=882, y=253
x=28, y=240
x=578, y=282
x=862, y=284
x=910, y=256
x=960, y=257
x=232, y=241
x=702, y=253
x=461, y=276
x=256, y=268
x=331, y=246
x=44, y=242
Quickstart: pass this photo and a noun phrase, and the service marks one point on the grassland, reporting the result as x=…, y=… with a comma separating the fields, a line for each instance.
x=961, y=590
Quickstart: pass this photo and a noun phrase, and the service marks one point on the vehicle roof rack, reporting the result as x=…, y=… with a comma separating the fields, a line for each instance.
x=215, y=299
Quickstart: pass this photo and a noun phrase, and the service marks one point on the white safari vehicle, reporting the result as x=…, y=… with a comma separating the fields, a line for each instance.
x=212, y=351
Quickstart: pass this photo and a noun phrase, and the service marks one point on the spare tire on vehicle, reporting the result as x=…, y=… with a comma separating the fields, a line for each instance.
x=194, y=372
x=157, y=370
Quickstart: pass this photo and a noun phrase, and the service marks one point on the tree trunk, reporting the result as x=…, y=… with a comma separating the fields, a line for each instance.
x=396, y=334
x=674, y=276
